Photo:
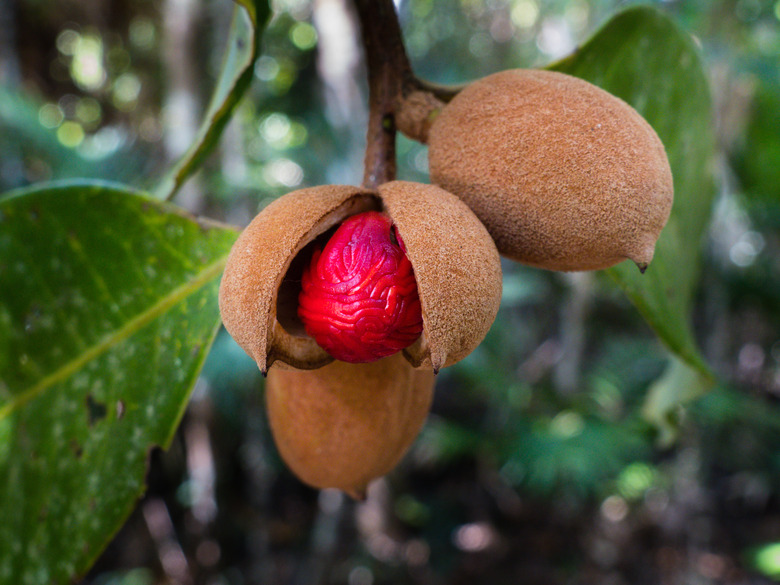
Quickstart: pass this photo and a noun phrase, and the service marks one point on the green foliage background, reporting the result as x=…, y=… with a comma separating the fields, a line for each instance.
x=572, y=407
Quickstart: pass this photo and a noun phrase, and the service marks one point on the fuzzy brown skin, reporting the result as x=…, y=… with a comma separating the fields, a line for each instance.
x=259, y=261
x=343, y=425
x=456, y=266
x=564, y=175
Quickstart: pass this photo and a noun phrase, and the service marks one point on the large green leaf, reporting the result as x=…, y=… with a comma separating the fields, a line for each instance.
x=236, y=73
x=108, y=306
x=644, y=58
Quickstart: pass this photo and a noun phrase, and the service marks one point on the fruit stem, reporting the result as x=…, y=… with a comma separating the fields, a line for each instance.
x=388, y=67
x=398, y=101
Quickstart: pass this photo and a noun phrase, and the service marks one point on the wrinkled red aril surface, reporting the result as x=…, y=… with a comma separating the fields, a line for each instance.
x=359, y=296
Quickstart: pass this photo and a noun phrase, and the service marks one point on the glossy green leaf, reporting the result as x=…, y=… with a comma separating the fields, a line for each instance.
x=644, y=58
x=249, y=19
x=108, y=306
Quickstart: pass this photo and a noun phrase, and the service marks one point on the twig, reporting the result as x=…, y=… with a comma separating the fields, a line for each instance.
x=388, y=66
x=398, y=100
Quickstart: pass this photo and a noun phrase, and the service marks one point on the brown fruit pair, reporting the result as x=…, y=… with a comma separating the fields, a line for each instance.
x=341, y=424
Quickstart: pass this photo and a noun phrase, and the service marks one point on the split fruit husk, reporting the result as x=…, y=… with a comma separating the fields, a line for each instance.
x=343, y=425
x=564, y=175
x=455, y=261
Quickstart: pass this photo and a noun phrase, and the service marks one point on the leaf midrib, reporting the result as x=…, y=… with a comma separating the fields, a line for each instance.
x=115, y=337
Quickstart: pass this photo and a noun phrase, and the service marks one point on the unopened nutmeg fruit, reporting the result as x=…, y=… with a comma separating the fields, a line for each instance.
x=454, y=261
x=343, y=425
x=564, y=175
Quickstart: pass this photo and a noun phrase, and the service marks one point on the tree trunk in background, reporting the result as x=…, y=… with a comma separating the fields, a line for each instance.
x=12, y=173
x=9, y=58
x=574, y=313
x=340, y=66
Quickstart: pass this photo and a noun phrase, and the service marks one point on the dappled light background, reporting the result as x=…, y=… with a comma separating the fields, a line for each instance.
x=535, y=465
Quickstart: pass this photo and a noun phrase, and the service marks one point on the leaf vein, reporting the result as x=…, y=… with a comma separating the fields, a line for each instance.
x=112, y=339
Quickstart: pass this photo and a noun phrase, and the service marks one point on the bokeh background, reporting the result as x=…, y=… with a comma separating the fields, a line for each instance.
x=535, y=465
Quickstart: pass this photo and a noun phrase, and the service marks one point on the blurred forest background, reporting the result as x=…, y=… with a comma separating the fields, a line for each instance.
x=535, y=465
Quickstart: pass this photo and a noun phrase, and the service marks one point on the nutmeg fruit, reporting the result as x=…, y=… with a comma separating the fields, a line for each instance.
x=343, y=425
x=564, y=175
x=455, y=262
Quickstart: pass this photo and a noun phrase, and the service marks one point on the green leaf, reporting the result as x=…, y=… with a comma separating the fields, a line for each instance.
x=108, y=306
x=644, y=58
x=249, y=19
x=678, y=384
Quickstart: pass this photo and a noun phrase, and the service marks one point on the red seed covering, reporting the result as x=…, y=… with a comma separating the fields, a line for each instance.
x=359, y=297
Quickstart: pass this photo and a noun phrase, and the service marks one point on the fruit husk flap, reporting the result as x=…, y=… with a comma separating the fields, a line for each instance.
x=258, y=294
x=457, y=267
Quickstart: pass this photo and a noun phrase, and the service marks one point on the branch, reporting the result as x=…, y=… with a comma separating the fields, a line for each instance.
x=388, y=67
x=398, y=101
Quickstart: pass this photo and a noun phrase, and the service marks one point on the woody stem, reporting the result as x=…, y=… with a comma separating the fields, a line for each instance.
x=388, y=72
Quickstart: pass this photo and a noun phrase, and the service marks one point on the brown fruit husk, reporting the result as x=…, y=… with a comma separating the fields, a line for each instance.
x=457, y=267
x=455, y=261
x=260, y=259
x=343, y=425
x=564, y=175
